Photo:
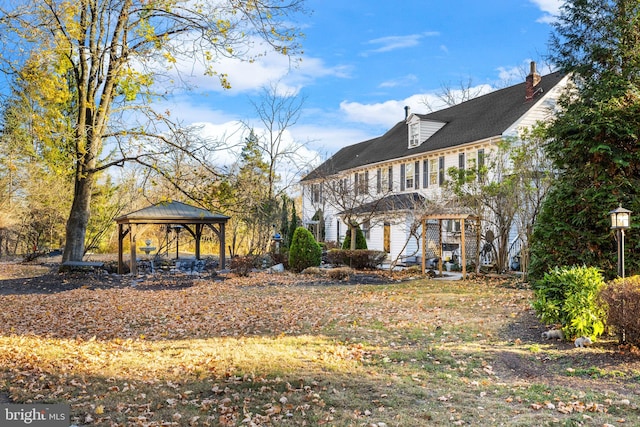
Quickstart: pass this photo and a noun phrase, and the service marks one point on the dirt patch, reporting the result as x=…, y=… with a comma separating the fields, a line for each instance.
x=18, y=278
x=605, y=365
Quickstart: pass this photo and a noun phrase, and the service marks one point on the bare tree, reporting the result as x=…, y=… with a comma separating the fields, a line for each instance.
x=449, y=96
x=278, y=111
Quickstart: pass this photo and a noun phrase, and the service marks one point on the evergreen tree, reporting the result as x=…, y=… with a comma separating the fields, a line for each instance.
x=284, y=222
x=257, y=210
x=293, y=224
x=304, y=251
x=593, y=142
x=361, y=241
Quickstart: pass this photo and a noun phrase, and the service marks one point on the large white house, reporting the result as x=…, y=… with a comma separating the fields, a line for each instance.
x=383, y=180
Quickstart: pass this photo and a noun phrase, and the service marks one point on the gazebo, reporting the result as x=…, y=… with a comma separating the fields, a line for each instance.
x=190, y=218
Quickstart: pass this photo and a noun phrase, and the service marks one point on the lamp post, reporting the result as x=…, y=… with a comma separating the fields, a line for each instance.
x=620, y=221
x=177, y=228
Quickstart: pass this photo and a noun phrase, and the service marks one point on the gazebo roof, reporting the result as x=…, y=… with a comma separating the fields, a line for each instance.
x=172, y=212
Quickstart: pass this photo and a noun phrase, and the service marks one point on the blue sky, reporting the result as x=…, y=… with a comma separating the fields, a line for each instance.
x=365, y=60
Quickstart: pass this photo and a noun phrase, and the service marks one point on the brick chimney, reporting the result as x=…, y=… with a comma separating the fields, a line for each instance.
x=531, y=82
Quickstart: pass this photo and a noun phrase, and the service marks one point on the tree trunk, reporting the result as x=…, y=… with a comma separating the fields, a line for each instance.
x=78, y=219
x=354, y=236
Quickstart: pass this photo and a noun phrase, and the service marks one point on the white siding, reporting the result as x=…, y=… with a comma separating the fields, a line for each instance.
x=376, y=237
x=544, y=108
x=428, y=128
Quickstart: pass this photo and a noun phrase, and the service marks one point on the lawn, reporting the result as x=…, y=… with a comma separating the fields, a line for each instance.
x=282, y=349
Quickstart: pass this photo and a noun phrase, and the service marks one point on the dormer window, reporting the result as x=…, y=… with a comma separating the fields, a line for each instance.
x=420, y=130
x=414, y=134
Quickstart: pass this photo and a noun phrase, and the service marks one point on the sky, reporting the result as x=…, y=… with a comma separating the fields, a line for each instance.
x=364, y=61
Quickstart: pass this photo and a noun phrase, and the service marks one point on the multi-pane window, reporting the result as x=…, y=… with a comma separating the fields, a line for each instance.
x=366, y=226
x=361, y=183
x=316, y=193
x=433, y=171
x=390, y=178
x=441, y=170
x=481, y=169
x=383, y=180
x=414, y=134
x=461, y=161
x=409, y=175
x=453, y=225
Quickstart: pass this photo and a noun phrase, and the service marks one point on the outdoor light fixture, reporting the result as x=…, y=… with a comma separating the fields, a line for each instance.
x=620, y=221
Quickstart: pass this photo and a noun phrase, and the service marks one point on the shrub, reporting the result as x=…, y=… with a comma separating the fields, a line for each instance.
x=304, y=250
x=335, y=257
x=621, y=298
x=313, y=271
x=361, y=241
x=569, y=296
x=242, y=265
x=340, y=273
x=358, y=259
x=281, y=258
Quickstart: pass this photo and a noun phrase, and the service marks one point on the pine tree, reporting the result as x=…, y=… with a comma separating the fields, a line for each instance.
x=284, y=222
x=293, y=224
x=594, y=142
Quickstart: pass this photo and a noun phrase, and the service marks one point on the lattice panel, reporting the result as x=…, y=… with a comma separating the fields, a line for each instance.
x=432, y=250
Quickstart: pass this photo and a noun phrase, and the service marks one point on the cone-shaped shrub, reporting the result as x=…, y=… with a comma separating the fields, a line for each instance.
x=304, y=250
x=361, y=241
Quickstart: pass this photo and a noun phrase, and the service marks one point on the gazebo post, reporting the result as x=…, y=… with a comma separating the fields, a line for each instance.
x=463, y=250
x=222, y=245
x=198, y=238
x=424, y=245
x=120, y=248
x=478, y=240
x=133, y=262
x=440, y=246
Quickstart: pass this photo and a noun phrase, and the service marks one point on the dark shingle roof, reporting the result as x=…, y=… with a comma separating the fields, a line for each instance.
x=171, y=212
x=394, y=202
x=477, y=119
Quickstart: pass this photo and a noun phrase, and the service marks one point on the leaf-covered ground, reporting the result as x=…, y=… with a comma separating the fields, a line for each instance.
x=285, y=349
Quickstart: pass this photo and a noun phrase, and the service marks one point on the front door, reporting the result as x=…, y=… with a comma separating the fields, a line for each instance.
x=387, y=237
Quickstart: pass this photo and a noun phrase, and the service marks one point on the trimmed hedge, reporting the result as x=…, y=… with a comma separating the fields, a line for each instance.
x=358, y=259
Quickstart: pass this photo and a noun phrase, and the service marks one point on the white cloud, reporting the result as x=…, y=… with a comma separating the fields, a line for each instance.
x=326, y=140
x=551, y=9
x=248, y=76
x=388, y=113
x=226, y=137
x=390, y=43
x=407, y=80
